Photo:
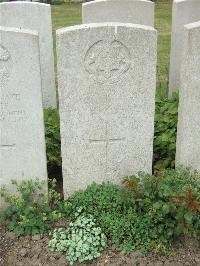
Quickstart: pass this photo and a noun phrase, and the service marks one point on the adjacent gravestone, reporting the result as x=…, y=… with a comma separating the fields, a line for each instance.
x=22, y=143
x=126, y=11
x=188, y=144
x=106, y=88
x=184, y=12
x=35, y=16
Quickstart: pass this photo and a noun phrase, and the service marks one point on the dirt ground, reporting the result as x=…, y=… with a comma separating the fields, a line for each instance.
x=26, y=251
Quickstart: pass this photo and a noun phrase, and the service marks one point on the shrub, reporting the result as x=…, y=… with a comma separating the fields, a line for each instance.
x=171, y=200
x=166, y=118
x=144, y=215
x=52, y=135
x=117, y=216
x=32, y=211
x=82, y=241
x=98, y=199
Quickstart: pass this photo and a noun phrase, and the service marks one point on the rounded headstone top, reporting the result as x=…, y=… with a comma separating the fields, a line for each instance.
x=12, y=3
x=105, y=24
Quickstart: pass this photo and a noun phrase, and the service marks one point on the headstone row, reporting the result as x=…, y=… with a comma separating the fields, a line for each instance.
x=107, y=101
x=106, y=110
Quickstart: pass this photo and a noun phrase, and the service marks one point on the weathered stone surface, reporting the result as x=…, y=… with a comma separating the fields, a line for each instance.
x=106, y=88
x=125, y=11
x=188, y=144
x=22, y=143
x=184, y=12
x=35, y=16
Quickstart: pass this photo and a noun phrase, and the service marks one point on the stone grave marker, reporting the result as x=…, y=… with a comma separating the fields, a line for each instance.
x=184, y=12
x=188, y=144
x=107, y=99
x=125, y=11
x=35, y=16
x=22, y=143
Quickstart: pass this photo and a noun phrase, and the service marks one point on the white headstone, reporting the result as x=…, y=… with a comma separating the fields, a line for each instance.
x=35, y=16
x=125, y=11
x=184, y=12
x=106, y=90
x=22, y=143
x=188, y=144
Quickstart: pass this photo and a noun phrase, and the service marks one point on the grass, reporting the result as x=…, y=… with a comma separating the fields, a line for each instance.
x=70, y=14
x=163, y=18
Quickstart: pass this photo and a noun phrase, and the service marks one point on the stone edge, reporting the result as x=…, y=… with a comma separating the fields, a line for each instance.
x=97, y=1
x=100, y=25
x=24, y=3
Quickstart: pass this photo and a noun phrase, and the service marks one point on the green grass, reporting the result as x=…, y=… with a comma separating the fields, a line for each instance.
x=66, y=15
x=163, y=16
x=70, y=14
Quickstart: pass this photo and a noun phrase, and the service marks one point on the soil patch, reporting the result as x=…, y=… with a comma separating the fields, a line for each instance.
x=27, y=251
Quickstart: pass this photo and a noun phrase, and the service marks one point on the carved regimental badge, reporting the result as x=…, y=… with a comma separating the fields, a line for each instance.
x=107, y=61
x=5, y=65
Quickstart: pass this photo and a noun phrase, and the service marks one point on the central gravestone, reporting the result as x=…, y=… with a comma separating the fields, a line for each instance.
x=22, y=143
x=106, y=90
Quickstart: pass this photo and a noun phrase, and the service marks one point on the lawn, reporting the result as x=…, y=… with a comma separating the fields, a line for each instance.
x=70, y=14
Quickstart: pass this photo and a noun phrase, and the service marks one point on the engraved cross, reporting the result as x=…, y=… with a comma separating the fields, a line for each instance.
x=106, y=141
x=7, y=146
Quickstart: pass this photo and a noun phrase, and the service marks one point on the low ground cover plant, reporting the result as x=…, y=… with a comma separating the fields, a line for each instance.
x=145, y=213
x=32, y=211
x=81, y=241
x=148, y=212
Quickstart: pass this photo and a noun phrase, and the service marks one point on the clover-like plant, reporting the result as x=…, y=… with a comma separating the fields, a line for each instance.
x=81, y=241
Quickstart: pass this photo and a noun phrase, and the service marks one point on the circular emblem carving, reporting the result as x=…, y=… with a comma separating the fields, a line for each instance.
x=5, y=65
x=107, y=61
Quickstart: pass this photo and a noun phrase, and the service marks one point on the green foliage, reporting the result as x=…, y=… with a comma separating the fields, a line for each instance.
x=32, y=211
x=98, y=199
x=57, y=2
x=166, y=118
x=52, y=135
x=171, y=201
x=144, y=215
x=117, y=216
x=81, y=241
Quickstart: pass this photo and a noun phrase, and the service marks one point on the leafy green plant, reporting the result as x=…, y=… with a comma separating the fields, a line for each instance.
x=81, y=241
x=57, y=2
x=52, y=135
x=118, y=217
x=32, y=211
x=166, y=118
x=147, y=213
x=97, y=199
x=171, y=200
